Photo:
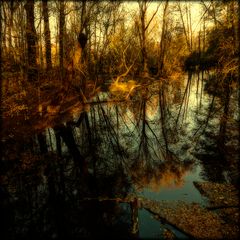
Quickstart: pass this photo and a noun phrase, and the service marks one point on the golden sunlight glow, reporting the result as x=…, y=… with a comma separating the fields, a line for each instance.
x=166, y=176
x=152, y=107
x=76, y=57
x=123, y=89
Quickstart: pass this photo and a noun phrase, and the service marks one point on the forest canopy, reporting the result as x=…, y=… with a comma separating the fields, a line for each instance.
x=151, y=37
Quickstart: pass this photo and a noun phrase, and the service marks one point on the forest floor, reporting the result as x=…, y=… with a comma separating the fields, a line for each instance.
x=32, y=107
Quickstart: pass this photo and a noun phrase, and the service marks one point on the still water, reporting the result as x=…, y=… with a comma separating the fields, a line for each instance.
x=154, y=145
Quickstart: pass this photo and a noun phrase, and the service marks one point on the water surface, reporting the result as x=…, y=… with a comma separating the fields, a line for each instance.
x=154, y=144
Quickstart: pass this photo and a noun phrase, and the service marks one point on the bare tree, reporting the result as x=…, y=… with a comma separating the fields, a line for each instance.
x=1, y=100
x=162, y=41
x=186, y=27
x=61, y=37
x=142, y=30
x=31, y=41
x=47, y=34
x=10, y=25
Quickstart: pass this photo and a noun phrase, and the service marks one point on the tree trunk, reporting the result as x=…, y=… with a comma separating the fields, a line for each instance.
x=4, y=28
x=31, y=42
x=61, y=39
x=143, y=5
x=1, y=83
x=184, y=28
x=42, y=142
x=82, y=39
x=143, y=32
x=10, y=25
x=47, y=36
x=162, y=42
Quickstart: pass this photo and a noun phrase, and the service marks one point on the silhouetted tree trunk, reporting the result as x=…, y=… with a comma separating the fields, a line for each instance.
x=61, y=38
x=186, y=33
x=162, y=41
x=83, y=16
x=82, y=39
x=10, y=25
x=47, y=36
x=143, y=9
x=1, y=83
x=143, y=5
x=42, y=142
x=4, y=27
x=31, y=42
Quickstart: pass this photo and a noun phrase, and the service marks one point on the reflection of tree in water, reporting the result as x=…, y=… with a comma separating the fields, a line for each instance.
x=153, y=166
x=106, y=152
x=46, y=191
x=216, y=132
x=42, y=206
x=97, y=163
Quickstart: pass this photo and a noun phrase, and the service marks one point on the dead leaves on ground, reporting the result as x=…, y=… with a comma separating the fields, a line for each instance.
x=191, y=219
x=219, y=194
x=224, y=198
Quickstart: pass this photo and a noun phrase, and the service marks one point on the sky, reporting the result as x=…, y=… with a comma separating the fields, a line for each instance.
x=195, y=7
x=131, y=8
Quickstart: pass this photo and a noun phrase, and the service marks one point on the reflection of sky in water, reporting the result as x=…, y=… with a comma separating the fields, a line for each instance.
x=123, y=118
x=149, y=227
x=152, y=176
x=167, y=189
x=187, y=192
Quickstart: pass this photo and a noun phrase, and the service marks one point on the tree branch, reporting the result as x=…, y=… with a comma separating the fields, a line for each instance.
x=152, y=18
